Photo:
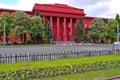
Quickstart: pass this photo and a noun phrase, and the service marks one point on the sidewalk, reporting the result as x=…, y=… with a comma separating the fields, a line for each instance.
x=113, y=78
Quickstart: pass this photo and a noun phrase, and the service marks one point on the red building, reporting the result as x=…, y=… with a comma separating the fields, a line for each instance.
x=62, y=18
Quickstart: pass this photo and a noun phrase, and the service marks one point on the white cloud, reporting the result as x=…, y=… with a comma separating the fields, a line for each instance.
x=98, y=9
x=107, y=8
x=115, y=7
x=28, y=4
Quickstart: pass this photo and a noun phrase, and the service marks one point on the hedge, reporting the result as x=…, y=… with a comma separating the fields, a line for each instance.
x=30, y=74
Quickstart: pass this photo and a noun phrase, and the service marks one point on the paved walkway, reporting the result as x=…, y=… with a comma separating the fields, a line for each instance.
x=50, y=49
x=114, y=78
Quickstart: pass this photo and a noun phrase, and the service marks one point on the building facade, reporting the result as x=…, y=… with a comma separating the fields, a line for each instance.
x=62, y=18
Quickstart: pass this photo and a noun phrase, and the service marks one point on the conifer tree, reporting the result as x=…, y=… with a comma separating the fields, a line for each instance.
x=48, y=31
x=79, y=30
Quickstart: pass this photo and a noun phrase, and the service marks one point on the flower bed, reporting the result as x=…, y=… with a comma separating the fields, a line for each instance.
x=28, y=74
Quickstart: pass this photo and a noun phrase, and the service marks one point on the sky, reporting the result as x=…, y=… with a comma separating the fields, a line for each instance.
x=93, y=8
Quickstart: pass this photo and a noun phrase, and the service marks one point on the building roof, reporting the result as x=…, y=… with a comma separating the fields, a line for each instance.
x=58, y=8
x=12, y=10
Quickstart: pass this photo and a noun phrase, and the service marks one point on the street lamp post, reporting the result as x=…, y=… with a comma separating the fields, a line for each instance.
x=4, y=33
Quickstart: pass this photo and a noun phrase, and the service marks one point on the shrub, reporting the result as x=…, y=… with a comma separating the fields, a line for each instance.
x=58, y=70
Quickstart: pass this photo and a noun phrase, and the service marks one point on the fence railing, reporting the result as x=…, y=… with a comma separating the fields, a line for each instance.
x=11, y=58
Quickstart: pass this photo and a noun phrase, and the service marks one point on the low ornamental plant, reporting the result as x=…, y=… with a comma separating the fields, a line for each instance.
x=30, y=74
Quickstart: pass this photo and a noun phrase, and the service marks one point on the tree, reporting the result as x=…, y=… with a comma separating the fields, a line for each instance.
x=117, y=18
x=36, y=28
x=48, y=31
x=118, y=25
x=110, y=30
x=21, y=23
x=78, y=30
x=37, y=13
x=5, y=19
x=97, y=29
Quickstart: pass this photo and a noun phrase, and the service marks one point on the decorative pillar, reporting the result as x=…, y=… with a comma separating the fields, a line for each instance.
x=51, y=23
x=51, y=26
x=64, y=31
x=71, y=29
x=58, y=29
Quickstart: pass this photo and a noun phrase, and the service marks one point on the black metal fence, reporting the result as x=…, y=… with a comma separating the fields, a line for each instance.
x=50, y=56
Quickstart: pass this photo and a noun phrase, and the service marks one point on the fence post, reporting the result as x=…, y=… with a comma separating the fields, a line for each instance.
x=61, y=55
x=118, y=51
x=30, y=57
x=67, y=54
x=15, y=58
x=38, y=54
x=77, y=54
x=0, y=58
x=11, y=58
x=20, y=57
x=50, y=56
x=53, y=55
x=6, y=58
x=64, y=55
x=56, y=55
x=110, y=52
x=33, y=57
x=25, y=57
x=74, y=53
x=89, y=52
x=100, y=52
x=70, y=54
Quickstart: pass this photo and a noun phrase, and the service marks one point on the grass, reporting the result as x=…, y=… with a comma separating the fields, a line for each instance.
x=93, y=75
x=59, y=62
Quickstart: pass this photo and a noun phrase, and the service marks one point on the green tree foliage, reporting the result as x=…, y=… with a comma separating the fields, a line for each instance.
x=21, y=24
x=37, y=12
x=36, y=28
x=78, y=30
x=110, y=30
x=97, y=29
x=117, y=18
x=5, y=19
x=48, y=31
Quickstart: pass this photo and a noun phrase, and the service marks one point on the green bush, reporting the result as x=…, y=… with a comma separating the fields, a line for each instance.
x=58, y=70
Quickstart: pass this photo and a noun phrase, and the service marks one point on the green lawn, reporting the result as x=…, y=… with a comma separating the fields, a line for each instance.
x=93, y=75
x=83, y=68
x=60, y=62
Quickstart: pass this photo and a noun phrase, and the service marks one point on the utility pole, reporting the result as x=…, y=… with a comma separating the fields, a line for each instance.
x=4, y=33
